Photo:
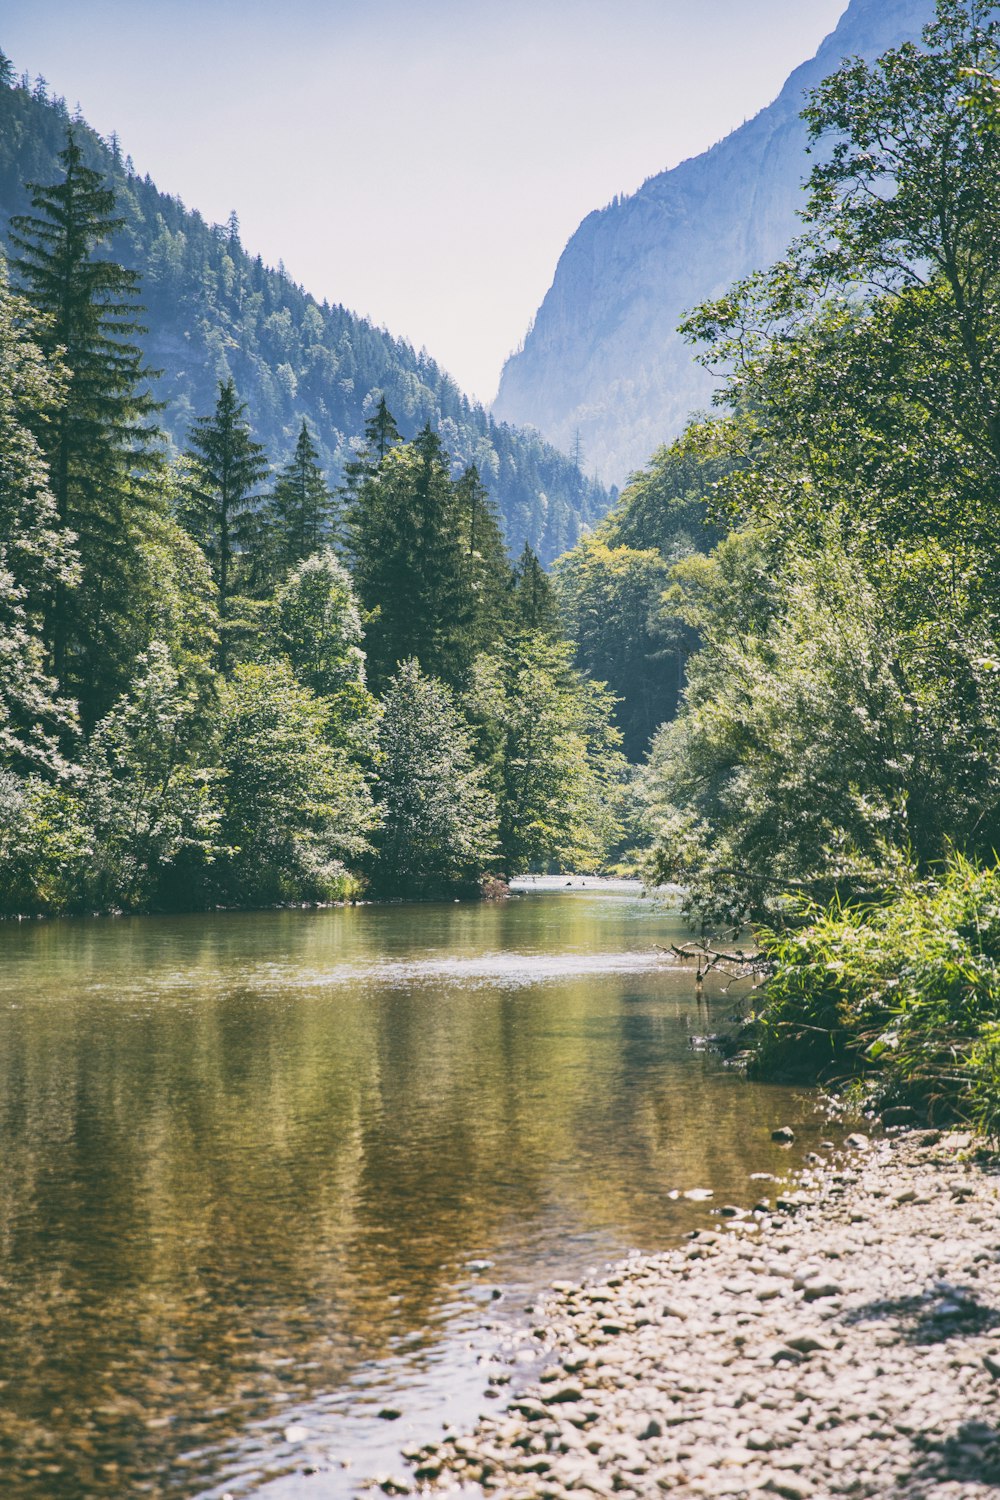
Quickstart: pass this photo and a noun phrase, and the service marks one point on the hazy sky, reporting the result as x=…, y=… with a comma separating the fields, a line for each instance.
x=421, y=161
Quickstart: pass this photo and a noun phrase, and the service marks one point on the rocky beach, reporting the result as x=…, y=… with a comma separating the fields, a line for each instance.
x=841, y=1339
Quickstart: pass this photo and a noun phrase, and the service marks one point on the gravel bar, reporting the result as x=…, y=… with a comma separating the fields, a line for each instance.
x=843, y=1339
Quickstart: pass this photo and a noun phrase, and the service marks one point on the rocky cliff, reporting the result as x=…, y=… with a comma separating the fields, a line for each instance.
x=603, y=360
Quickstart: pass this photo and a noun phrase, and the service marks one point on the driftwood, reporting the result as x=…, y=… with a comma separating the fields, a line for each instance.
x=735, y=963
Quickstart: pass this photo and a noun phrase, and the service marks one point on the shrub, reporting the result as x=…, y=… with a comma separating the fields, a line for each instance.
x=907, y=993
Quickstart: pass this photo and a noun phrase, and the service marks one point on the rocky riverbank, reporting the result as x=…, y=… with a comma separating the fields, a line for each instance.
x=844, y=1339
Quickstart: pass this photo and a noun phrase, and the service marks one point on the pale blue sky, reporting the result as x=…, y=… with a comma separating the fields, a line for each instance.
x=421, y=161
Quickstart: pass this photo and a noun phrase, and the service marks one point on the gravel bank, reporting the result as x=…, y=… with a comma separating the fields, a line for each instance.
x=845, y=1341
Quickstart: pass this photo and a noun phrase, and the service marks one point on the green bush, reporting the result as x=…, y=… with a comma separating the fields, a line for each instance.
x=907, y=993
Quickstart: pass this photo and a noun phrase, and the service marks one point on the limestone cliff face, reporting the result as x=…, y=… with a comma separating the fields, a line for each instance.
x=604, y=358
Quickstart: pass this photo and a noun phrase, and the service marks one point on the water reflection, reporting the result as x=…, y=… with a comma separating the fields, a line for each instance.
x=247, y=1159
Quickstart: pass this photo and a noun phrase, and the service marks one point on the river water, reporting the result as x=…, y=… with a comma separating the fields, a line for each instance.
x=265, y=1176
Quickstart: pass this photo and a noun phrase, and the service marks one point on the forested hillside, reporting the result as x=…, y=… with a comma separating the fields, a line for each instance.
x=213, y=312
x=221, y=682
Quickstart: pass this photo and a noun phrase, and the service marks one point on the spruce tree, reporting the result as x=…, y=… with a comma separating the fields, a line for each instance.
x=381, y=436
x=99, y=442
x=534, y=601
x=410, y=564
x=220, y=506
x=301, y=508
x=489, y=570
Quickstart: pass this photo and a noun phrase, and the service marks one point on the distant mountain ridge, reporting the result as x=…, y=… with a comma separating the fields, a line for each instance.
x=213, y=310
x=603, y=362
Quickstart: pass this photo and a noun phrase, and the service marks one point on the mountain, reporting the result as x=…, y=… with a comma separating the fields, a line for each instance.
x=603, y=362
x=213, y=310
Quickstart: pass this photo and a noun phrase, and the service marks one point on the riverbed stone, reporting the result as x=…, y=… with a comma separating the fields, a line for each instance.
x=852, y=1350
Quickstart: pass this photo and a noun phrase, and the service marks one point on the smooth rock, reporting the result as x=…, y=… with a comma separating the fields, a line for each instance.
x=817, y=1289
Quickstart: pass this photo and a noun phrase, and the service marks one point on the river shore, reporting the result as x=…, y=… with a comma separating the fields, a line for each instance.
x=843, y=1339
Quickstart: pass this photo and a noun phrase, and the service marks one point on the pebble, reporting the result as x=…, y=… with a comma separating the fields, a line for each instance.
x=851, y=1349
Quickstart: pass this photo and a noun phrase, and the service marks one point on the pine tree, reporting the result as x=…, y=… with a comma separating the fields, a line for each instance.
x=381, y=435
x=410, y=563
x=99, y=442
x=534, y=601
x=220, y=507
x=489, y=570
x=301, y=507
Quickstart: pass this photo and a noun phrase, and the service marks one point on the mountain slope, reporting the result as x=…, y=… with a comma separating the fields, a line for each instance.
x=214, y=311
x=603, y=359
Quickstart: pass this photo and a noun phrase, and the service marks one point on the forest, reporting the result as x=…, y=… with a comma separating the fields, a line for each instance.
x=225, y=682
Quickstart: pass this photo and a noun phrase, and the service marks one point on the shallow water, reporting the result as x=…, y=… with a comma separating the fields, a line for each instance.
x=262, y=1176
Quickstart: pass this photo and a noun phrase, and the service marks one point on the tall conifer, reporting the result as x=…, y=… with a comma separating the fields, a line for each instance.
x=99, y=442
x=221, y=508
x=381, y=436
x=410, y=566
x=301, y=507
x=488, y=566
x=534, y=602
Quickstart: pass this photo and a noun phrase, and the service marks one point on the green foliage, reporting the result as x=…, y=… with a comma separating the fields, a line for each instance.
x=46, y=847
x=668, y=505
x=489, y=577
x=36, y=554
x=410, y=563
x=438, y=816
x=609, y=599
x=155, y=815
x=220, y=506
x=612, y=586
x=381, y=434
x=555, y=765
x=175, y=603
x=865, y=365
x=906, y=992
x=844, y=706
x=97, y=439
x=297, y=808
x=300, y=509
x=842, y=722
x=317, y=627
x=229, y=740
x=533, y=603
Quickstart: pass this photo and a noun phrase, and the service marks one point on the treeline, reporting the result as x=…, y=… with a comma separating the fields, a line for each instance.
x=226, y=683
x=214, y=313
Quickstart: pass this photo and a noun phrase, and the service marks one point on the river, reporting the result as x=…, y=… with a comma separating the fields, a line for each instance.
x=264, y=1176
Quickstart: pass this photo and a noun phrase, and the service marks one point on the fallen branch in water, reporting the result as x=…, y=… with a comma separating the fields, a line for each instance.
x=735, y=963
